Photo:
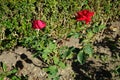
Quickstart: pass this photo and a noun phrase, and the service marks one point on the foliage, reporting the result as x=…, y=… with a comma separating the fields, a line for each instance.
x=10, y=74
x=117, y=70
x=16, y=28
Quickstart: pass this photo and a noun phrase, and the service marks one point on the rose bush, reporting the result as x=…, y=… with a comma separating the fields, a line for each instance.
x=38, y=24
x=84, y=15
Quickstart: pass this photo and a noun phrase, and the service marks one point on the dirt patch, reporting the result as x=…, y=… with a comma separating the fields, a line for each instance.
x=30, y=66
x=22, y=59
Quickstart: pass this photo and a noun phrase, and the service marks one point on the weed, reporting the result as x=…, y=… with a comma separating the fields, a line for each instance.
x=10, y=74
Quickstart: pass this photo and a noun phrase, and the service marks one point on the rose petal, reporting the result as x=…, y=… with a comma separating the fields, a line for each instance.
x=87, y=20
x=84, y=15
x=38, y=24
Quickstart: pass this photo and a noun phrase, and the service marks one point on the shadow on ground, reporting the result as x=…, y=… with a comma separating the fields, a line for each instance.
x=88, y=72
x=107, y=45
x=112, y=44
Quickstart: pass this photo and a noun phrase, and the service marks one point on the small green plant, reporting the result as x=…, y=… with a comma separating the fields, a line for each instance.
x=117, y=70
x=52, y=72
x=84, y=53
x=9, y=74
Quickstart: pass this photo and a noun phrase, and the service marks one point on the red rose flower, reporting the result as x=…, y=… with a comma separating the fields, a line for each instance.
x=84, y=15
x=38, y=24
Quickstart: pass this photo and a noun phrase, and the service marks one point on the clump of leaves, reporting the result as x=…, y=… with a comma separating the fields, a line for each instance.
x=84, y=53
x=10, y=74
x=52, y=72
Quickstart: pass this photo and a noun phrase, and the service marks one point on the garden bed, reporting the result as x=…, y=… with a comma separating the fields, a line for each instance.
x=60, y=40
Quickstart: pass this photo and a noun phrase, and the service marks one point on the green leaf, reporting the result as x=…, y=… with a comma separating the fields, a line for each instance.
x=52, y=46
x=67, y=53
x=118, y=69
x=70, y=56
x=81, y=57
x=62, y=65
x=88, y=49
x=70, y=34
x=45, y=56
x=1, y=78
x=15, y=78
x=95, y=29
x=102, y=27
x=74, y=34
x=47, y=51
x=52, y=71
x=56, y=78
x=4, y=67
x=55, y=59
x=90, y=34
x=32, y=1
x=12, y=71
